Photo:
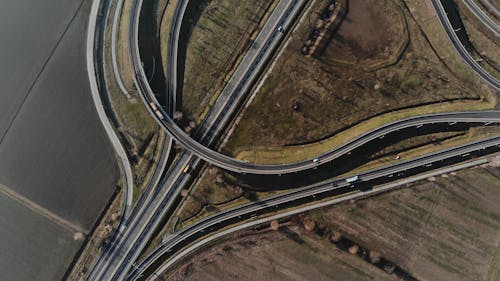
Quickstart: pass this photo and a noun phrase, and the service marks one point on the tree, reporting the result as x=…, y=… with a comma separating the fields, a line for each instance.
x=336, y=236
x=309, y=224
x=275, y=225
x=220, y=179
x=374, y=257
x=178, y=115
x=354, y=249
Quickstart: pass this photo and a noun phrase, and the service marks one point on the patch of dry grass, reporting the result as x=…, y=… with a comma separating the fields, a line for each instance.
x=429, y=77
x=288, y=154
x=445, y=229
x=219, y=38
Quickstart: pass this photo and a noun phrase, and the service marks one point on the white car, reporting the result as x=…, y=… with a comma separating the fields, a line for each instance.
x=280, y=28
x=352, y=179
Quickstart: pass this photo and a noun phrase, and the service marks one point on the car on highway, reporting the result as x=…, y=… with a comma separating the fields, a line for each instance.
x=352, y=179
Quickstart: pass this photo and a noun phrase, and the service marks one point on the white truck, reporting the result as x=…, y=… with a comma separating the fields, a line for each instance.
x=352, y=179
x=158, y=113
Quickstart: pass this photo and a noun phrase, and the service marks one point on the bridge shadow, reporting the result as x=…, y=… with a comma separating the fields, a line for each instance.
x=374, y=150
x=191, y=17
x=149, y=48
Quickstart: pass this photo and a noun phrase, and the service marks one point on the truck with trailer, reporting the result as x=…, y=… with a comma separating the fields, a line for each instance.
x=352, y=179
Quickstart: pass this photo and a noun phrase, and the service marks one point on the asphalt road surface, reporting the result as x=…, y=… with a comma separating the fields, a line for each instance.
x=116, y=263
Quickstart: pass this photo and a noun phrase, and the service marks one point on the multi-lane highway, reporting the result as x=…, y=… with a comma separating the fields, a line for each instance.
x=129, y=211
x=482, y=16
x=118, y=259
x=165, y=144
x=243, y=78
x=206, y=224
x=232, y=94
x=464, y=54
x=153, y=268
x=492, y=8
x=116, y=262
x=96, y=97
x=240, y=213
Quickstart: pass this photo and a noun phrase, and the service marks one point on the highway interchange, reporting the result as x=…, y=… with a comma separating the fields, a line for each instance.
x=116, y=261
x=240, y=213
x=239, y=84
x=138, y=231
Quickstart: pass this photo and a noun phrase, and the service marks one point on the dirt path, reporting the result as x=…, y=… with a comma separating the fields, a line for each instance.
x=76, y=229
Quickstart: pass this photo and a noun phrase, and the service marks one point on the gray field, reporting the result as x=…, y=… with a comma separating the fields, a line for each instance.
x=55, y=153
x=53, y=149
x=29, y=32
x=47, y=249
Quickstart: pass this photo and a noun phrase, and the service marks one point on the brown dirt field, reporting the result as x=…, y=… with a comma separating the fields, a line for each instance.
x=333, y=96
x=446, y=229
x=288, y=254
x=206, y=196
x=363, y=34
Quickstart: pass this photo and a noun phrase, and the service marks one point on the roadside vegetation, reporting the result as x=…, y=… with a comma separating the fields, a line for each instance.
x=216, y=190
x=219, y=33
x=282, y=252
x=442, y=228
x=408, y=54
x=165, y=23
x=213, y=190
x=418, y=146
x=97, y=240
x=138, y=131
x=294, y=153
x=386, y=60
